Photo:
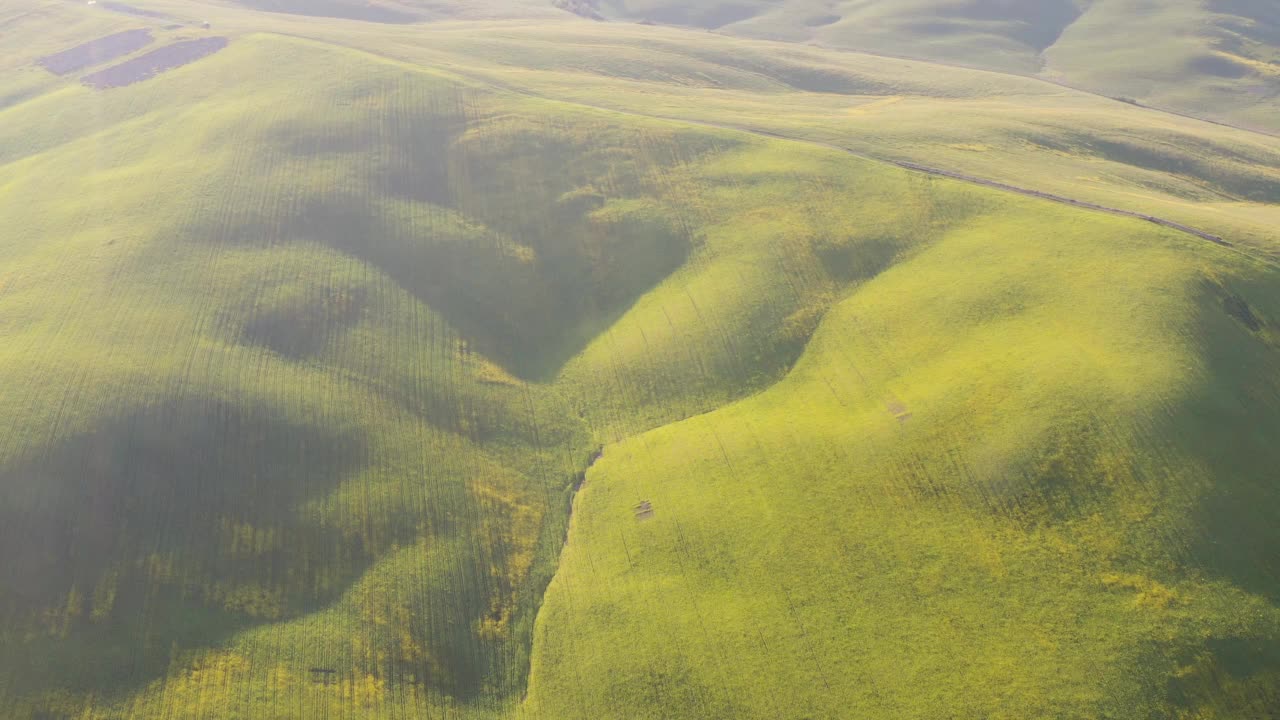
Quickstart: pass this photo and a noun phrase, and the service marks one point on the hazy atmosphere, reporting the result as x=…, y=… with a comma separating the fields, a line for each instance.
x=640, y=359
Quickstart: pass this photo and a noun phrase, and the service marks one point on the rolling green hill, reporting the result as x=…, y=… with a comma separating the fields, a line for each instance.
x=982, y=124
x=1212, y=58
x=357, y=365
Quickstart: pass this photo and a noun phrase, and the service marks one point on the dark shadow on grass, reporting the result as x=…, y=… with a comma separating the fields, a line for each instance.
x=1229, y=676
x=301, y=327
x=1236, y=414
x=173, y=528
x=175, y=524
x=528, y=243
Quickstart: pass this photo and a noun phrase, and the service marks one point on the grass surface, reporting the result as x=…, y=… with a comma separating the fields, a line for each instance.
x=307, y=344
x=996, y=485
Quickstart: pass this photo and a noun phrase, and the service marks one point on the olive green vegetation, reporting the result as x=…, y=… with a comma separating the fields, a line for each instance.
x=229, y=414
x=306, y=348
x=1214, y=58
x=1022, y=472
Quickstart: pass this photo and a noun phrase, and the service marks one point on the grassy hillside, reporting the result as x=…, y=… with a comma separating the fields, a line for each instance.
x=239, y=434
x=272, y=420
x=989, y=125
x=1212, y=58
x=308, y=342
x=1217, y=59
x=267, y=367
x=999, y=483
x=992, y=33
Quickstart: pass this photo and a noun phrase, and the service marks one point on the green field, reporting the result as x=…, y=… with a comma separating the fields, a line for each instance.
x=478, y=360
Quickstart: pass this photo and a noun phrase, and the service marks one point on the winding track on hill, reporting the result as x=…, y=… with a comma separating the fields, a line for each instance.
x=975, y=180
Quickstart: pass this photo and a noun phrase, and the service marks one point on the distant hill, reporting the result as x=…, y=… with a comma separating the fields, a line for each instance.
x=1219, y=58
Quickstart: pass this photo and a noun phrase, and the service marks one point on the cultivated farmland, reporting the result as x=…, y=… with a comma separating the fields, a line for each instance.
x=154, y=62
x=519, y=367
x=96, y=51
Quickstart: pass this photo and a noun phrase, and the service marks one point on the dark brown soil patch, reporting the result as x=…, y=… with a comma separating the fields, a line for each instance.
x=154, y=63
x=97, y=51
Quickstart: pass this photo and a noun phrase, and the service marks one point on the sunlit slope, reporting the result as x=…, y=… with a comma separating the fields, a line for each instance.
x=1026, y=471
x=791, y=228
